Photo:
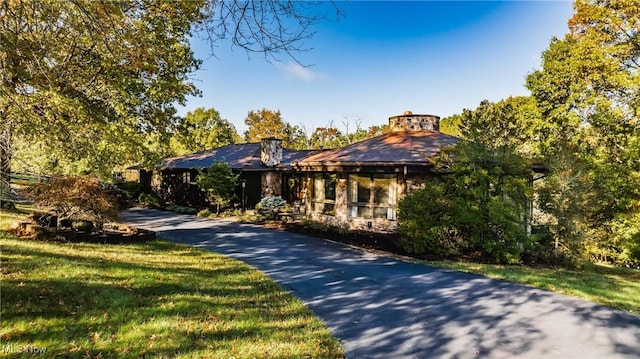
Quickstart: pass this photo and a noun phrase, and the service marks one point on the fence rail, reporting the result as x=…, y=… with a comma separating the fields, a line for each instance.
x=28, y=178
x=20, y=179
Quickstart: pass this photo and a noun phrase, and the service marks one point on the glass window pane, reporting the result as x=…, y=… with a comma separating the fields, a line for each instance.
x=379, y=212
x=364, y=190
x=381, y=188
x=328, y=208
x=330, y=187
x=359, y=189
x=364, y=211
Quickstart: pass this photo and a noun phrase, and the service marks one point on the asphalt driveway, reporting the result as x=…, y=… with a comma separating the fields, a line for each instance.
x=380, y=307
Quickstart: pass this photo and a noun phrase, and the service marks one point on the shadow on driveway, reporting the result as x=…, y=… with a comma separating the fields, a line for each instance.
x=385, y=308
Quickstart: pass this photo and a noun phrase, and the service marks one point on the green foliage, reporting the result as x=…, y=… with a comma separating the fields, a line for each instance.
x=63, y=83
x=181, y=209
x=329, y=137
x=451, y=125
x=475, y=206
x=131, y=189
x=218, y=182
x=149, y=200
x=427, y=223
x=204, y=213
x=267, y=123
x=92, y=86
x=200, y=130
x=587, y=92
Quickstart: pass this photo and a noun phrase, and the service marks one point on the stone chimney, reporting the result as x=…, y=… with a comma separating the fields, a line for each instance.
x=413, y=122
x=271, y=151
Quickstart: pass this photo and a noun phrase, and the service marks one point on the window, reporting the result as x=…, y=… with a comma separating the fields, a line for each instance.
x=372, y=196
x=186, y=177
x=324, y=193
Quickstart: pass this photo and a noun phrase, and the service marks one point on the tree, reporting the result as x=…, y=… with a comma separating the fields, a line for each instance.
x=451, y=125
x=80, y=72
x=79, y=197
x=200, y=130
x=327, y=137
x=507, y=125
x=267, y=123
x=476, y=205
x=588, y=94
x=218, y=182
x=479, y=200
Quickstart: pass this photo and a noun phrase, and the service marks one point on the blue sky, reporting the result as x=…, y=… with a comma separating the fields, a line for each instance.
x=383, y=58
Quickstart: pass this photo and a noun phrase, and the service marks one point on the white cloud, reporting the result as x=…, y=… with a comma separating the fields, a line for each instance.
x=296, y=71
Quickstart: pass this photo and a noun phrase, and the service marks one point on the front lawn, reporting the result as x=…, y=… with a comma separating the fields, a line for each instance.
x=611, y=286
x=156, y=299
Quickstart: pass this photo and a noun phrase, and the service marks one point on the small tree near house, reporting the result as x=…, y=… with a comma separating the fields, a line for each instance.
x=218, y=182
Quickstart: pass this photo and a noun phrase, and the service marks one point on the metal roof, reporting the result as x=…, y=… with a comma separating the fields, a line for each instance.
x=244, y=156
x=390, y=149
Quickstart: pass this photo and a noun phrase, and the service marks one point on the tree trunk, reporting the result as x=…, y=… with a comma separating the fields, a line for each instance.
x=6, y=137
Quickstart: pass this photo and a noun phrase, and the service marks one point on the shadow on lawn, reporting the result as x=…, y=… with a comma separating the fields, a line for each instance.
x=381, y=307
x=169, y=310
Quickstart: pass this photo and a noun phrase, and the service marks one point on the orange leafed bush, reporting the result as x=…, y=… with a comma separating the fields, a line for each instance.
x=78, y=197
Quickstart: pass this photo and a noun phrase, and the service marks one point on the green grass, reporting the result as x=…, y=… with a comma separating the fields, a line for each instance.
x=157, y=299
x=8, y=217
x=614, y=287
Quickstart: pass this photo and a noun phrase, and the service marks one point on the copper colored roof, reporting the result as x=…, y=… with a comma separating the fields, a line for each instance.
x=394, y=148
x=245, y=156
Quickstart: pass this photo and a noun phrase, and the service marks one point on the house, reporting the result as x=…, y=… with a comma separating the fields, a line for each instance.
x=264, y=170
x=355, y=187
x=358, y=186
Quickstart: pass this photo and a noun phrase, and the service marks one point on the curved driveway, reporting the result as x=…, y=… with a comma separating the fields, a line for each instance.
x=381, y=307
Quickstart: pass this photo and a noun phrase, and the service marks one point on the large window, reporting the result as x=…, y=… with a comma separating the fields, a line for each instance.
x=372, y=196
x=324, y=193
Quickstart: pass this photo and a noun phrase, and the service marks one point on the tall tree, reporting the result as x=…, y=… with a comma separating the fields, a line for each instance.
x=73, y=74
x=588, y=91
x=327, y=137
x=267, y=123
x=79, y=72
x=200, y=130
x=509, y=125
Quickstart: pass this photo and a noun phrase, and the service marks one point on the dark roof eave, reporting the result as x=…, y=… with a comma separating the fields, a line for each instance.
x=360, y=164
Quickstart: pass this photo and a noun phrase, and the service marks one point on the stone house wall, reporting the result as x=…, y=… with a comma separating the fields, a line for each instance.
x=405, y=184
x=271, y=183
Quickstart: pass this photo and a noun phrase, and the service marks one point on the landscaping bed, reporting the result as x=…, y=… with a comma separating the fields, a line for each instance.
x=46, y=226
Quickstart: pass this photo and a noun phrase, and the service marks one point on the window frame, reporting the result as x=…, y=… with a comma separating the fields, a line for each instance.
x=319, y=201
x=370, y=209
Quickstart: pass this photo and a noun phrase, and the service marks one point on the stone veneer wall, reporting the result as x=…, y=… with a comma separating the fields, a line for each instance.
x=271, y=184
x=410, y=122
x=342, y=220
x=271, y=151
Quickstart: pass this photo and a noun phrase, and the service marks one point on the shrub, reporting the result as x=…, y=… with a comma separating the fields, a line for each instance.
x=150, y=200
x=133, y=190
x=271, y=204
x=78, y=197
x=427, y=224
x=182, y=209
x=231, y=213
x=476, y=205
x=204, y=213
